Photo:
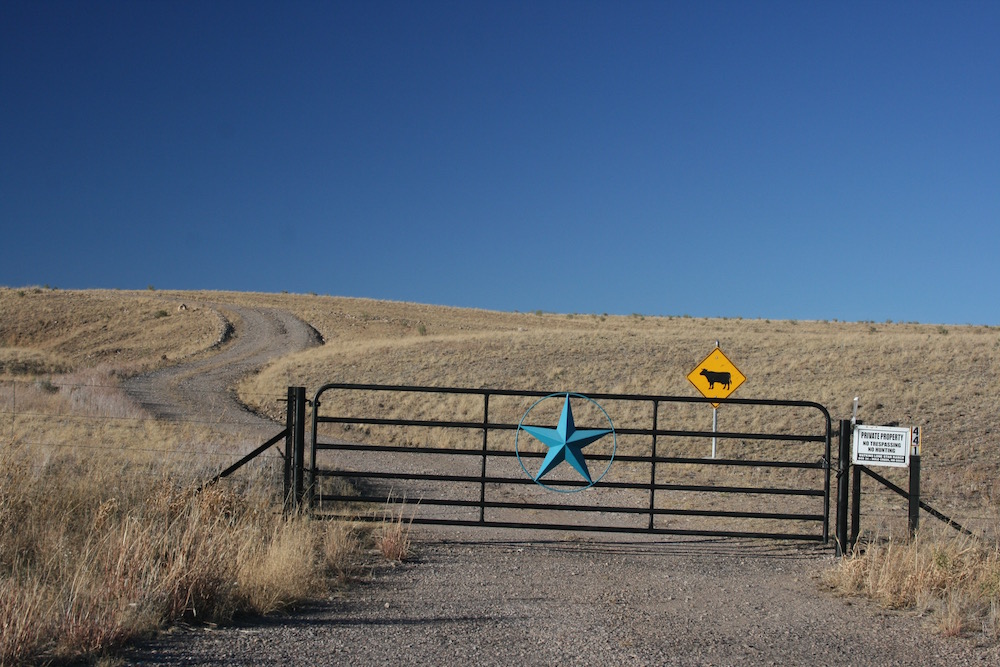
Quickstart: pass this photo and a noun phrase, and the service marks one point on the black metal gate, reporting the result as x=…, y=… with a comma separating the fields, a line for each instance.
x=448, y=457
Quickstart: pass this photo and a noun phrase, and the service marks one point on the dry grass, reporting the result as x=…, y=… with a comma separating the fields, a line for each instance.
x=392, y=536
x=102, y=538
x=94, y=552
x=53, y=331
x=342, y=546
x=952, y=578
x=940, y=377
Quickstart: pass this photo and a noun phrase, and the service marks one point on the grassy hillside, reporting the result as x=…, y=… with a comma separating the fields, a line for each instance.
x=943, y=378
x=53, y=331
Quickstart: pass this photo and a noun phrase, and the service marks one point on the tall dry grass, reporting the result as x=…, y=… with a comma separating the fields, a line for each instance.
x=951, y=578
x=93, y=554
x=103, y=537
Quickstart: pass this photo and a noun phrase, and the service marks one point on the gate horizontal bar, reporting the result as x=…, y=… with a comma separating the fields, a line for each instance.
x=610, y=509
x=540, y=394
x=439, y=423
x=429, y=477
x=805, y=537
x=404, y=449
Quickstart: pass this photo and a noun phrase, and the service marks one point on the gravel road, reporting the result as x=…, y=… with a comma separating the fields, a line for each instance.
x=500, y=597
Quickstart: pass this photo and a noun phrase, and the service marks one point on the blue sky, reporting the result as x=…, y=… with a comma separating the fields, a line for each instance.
x=782, y=160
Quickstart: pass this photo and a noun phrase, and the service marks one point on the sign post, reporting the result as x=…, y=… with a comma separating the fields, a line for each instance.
x=914, y=508
x=716, y=377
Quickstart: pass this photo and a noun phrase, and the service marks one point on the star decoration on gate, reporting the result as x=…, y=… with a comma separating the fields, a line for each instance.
x=565, y=442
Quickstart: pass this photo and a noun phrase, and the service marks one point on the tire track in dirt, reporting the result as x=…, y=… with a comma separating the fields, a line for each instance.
x=202, y=389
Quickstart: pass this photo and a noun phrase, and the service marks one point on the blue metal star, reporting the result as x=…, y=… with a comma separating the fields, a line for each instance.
x=565, y=442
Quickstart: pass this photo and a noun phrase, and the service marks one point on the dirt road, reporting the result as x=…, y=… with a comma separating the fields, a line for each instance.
x=202, y=389
x=492, y=599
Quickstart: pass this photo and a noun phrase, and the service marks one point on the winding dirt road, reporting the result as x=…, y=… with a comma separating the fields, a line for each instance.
x=202, y=389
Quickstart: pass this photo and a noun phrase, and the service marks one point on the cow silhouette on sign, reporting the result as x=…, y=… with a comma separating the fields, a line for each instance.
x=722, y=378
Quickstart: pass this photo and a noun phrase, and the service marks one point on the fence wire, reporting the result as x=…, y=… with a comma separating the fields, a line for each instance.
x=99, y=419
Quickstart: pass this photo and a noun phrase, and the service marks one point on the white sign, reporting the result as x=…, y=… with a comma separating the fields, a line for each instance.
x=882, y=446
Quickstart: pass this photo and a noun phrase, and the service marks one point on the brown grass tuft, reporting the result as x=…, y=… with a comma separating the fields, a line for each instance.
x=342, y=545
x=392, y=537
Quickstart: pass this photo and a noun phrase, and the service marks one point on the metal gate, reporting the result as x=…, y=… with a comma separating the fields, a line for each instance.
x=460, y=456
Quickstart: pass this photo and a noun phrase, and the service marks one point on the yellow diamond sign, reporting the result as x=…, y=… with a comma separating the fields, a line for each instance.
x=716, y=376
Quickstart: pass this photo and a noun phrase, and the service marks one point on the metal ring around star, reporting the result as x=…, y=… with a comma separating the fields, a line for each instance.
x=520, y=427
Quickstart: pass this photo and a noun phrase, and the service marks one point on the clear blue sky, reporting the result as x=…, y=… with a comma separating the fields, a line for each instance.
x=783, y=160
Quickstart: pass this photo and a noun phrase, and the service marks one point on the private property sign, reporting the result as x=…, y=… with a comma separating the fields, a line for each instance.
x=882, y=446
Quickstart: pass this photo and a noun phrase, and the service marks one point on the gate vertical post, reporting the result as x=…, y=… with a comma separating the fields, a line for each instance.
x=843, y=470
x=652, y=467
x=827, y=457
x=855, y=507
x=482, y=480
x=914, y=492
x=286, y=489
x=299, y=440
x=313, y=435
